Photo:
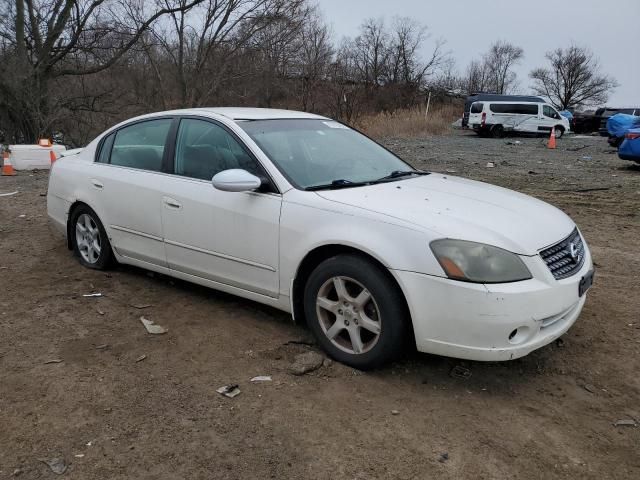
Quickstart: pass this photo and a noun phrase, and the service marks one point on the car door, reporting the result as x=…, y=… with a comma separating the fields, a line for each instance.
x=550, y=118
x=228, y=237
x=127, y=177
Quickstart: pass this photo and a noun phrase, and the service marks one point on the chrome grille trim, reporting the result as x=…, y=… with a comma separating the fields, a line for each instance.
x=558, y=257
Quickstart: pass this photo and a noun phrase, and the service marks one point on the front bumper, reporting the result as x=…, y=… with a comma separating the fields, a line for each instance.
x=492, y=322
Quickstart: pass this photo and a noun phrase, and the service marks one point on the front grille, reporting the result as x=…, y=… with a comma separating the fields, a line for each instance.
x=566, y=257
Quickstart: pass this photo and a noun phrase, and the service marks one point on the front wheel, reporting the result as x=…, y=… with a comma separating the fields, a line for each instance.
x=356, y=311
x=89, y=239
x=558, y=132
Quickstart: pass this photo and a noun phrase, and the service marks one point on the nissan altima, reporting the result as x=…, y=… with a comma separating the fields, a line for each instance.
x=305, y=214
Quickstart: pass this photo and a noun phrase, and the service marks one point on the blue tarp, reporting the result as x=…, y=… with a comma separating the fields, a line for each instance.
x=619, y=123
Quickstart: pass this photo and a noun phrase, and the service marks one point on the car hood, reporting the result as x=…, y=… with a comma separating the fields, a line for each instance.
x=453, y=207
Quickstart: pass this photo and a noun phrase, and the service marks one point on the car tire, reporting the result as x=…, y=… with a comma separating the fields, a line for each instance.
x=558, y=132
x=89, y=239
x=497, y=131
x=356, y=311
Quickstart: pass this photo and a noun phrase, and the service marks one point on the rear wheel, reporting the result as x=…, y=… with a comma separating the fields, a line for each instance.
x=356, y=311
x=497, y=131
x=89, y=239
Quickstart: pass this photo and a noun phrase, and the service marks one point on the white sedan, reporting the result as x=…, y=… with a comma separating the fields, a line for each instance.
x=302, y=213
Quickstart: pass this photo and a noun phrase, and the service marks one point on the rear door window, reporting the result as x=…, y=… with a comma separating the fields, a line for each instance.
x=477, y=107
x=141, y=145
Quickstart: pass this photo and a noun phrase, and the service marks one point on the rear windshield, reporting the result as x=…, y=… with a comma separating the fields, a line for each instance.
x=476, y=107
x=514, y=108
x=612, y=111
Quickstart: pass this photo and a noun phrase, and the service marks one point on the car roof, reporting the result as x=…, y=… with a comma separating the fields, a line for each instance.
x=244, y=113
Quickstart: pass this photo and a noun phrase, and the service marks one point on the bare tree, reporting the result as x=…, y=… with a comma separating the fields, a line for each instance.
x=314, y=57
x=371, y=49
x=45, y=41
x=476, y=78
x=499, y=62
x=573, y=78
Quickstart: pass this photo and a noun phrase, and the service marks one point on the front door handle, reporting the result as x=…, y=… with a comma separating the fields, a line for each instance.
x=170, y=202
x=97, y=183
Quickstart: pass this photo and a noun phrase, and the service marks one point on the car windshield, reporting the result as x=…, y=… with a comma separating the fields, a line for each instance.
x=316, y=153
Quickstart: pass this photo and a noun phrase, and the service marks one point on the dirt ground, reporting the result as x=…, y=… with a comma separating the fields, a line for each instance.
x=110, y=414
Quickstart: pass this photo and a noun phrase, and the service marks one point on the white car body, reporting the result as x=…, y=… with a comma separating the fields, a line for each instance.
x=539, y=117
x=253, y=244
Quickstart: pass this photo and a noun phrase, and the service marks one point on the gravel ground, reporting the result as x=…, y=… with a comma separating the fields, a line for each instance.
x=119, y=403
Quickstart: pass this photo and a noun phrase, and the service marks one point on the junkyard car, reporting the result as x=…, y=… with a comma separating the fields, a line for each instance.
x=630, y=147
x=312, y=217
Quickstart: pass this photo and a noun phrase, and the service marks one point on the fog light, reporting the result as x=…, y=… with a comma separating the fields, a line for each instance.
x=519, y=335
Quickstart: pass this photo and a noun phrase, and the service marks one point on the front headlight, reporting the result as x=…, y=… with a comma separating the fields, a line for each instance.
x=479, y=263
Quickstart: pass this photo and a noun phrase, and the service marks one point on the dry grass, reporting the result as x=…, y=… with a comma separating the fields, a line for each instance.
x=410, y=123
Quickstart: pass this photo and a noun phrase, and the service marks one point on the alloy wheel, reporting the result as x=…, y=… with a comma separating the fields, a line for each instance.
x=348, y=315
x=88, y=238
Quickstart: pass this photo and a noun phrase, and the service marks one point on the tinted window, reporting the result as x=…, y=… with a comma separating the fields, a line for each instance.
x=547, y=111
x=514, y=108
x=476, y=107
x=105, y=149
x=204, y=149
x=141, y=145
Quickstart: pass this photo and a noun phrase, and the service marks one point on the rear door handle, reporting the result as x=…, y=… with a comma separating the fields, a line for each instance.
x=170, y=202
x=97, y=183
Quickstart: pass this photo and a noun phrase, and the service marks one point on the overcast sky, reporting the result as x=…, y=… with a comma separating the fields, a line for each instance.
x=611, y=29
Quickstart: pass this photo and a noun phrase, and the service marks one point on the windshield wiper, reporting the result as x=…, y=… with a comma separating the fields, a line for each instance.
x=340, y=183
x=401, y=173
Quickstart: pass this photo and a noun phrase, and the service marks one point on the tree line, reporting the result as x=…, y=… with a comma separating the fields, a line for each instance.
x=71, y=68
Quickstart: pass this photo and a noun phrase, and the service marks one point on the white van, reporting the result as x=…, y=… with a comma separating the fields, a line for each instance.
x=497, y=118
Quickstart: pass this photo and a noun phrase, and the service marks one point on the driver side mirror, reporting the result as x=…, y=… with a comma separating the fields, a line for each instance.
x=236, y=180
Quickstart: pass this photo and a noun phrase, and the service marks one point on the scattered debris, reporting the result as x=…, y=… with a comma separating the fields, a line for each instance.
x=450, y=170
x=89, y=443
x=100, y=312
x=102, y=347
x=53, y=360
x=8, y=194
x=141, y=306
x=229, y=391
x=575, y=149
x=22, y=216
x=261, y=378
x=626, y=422
x=92, y=295
x=327, y=362
x=395, y=412
x=57, y=465
x=152, y=327
x=531, y=172
x=490, y=165
x=443, y=457
x=587, y=157
x=140, y=358
x=303, y=341
x=305, y=363
x=460, y=372
x=589, y=388
x=17, y=472
x=559, y=343
x=516, y=142
x=79, y=455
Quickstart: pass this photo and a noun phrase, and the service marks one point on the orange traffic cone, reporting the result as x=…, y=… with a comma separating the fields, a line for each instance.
x=7, y=168
x=552, y=139
x=52, y=156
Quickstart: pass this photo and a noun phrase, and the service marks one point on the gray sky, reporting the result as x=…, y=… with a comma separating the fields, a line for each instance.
x=611, y=29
